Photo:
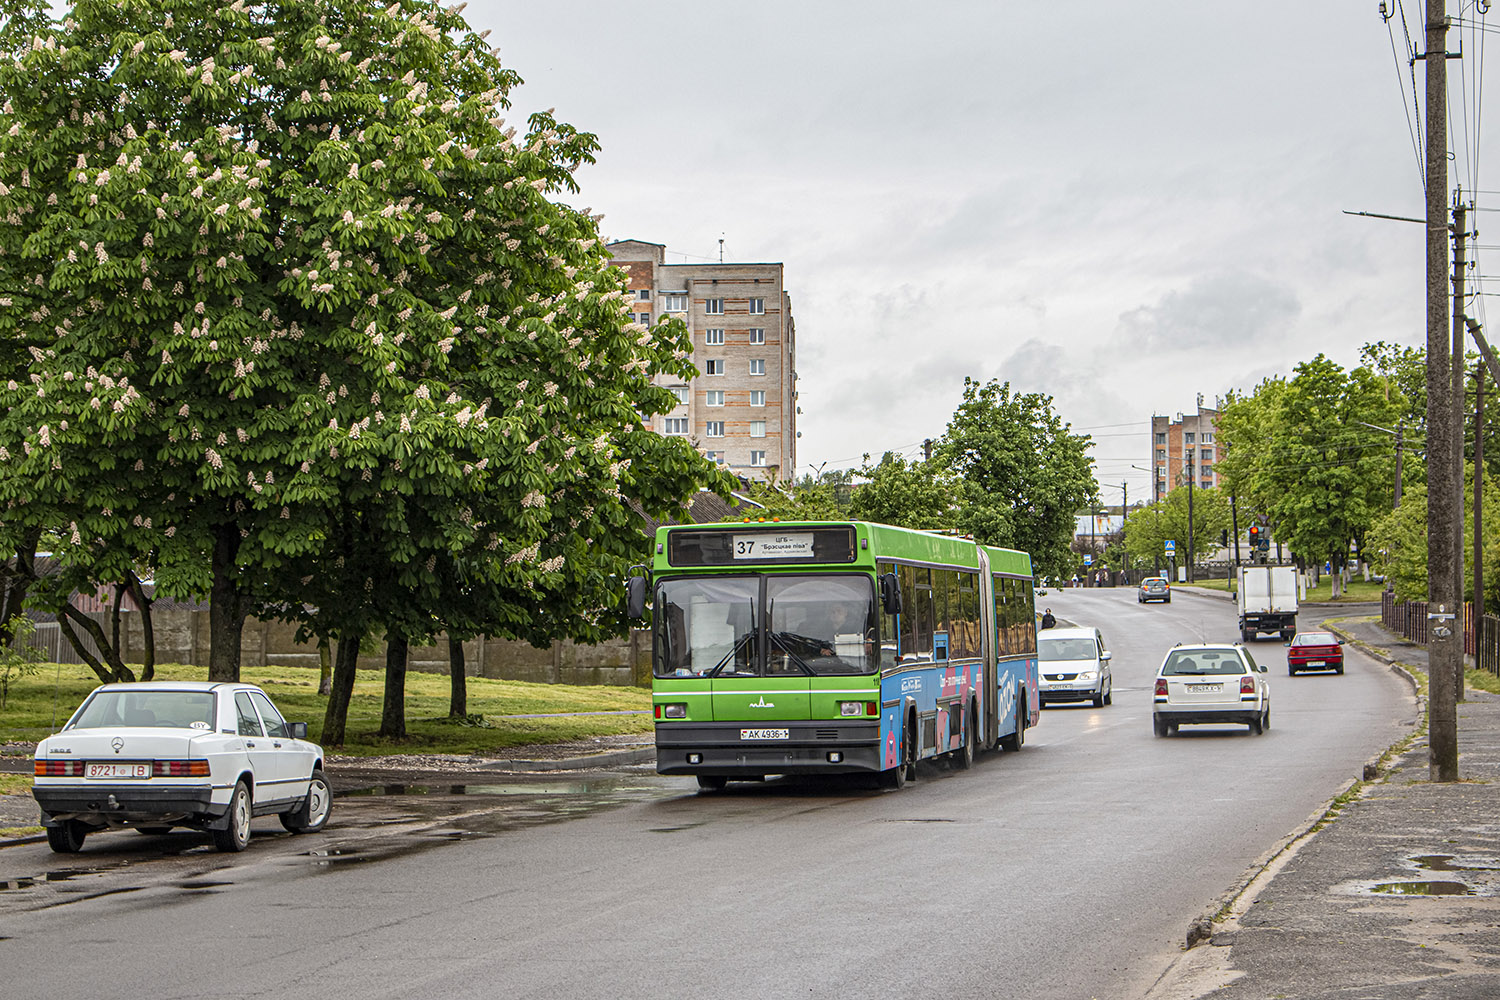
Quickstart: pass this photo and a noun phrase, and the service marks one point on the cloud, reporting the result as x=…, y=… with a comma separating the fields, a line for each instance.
x=1216, y=311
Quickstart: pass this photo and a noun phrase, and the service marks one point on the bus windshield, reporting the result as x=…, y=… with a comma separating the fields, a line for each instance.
x=813, y=624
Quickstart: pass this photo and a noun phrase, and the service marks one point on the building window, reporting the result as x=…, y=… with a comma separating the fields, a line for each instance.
x=1161, y=454
x=681, y=392
x=1206, y=438
x=757, y=428
x=643, y=294
x=714, y=307
x=1161, y=472
x=757, y=307
x=757, y=397
x=714, y=428
x=643, y=318
x=758, y=458
x=714, y=456
x=757, y=335
x=1206, y=454
x=757, y=366
x=714, y=397
x=676, y=302
x=714, y=366
x=1208, y=470
x=1187, y=437
x=677, y=425
x=1161, y=439
x=713, y=338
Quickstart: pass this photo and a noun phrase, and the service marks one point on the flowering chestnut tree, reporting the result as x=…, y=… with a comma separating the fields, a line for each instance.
x=290, y=316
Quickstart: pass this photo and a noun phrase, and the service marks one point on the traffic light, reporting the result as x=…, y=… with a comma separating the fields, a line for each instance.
x=1254, y=536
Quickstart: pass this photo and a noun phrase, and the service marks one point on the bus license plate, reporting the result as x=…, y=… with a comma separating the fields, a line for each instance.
x=765, y=734
x=92, y=770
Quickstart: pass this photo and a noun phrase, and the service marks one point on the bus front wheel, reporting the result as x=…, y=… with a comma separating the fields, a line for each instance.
x=712, y=782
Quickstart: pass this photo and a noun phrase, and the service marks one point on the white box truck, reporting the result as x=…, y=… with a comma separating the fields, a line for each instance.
x=1267, y=599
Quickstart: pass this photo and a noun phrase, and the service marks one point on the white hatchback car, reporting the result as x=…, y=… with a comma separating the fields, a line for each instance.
x=1210, y=683
x=161, y=754
x=1074, y=666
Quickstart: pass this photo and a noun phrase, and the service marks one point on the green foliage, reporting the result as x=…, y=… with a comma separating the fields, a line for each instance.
x=1149, y=527
x=17, y=659
x=291, y=317
x=1024, y=473
x=1299, y=453
x=908, y=494
x=824, y=497
x=1397, y=545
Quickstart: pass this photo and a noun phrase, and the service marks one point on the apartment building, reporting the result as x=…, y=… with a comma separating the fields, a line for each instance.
x=1184, y=448
x=741, y=410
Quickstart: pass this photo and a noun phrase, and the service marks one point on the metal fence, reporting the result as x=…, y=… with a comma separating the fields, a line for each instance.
x=48, y=637
x=1481, y=632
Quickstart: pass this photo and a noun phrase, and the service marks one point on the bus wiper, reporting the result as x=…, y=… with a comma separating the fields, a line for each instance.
x=734, y=651
x=778, y=643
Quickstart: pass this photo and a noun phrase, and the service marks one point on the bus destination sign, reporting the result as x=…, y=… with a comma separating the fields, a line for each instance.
x=774, y=546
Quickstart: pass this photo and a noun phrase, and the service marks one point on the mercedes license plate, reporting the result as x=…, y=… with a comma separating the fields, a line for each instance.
x=132, y=770
x=765, y=734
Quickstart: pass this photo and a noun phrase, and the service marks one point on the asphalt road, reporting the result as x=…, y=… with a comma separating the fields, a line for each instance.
x=1068, y=870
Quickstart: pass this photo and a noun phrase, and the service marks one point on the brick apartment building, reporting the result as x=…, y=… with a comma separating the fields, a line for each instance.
x=1183, y=447
x=741, y=411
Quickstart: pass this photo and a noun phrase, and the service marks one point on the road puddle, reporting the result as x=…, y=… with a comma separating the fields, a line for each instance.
x=1422, y=889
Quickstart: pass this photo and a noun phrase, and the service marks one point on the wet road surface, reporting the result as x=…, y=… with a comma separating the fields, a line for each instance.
x=1070, y=869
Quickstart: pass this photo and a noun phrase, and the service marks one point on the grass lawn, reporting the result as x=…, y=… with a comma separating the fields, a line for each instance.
x=1358, y=591
x=38, y=705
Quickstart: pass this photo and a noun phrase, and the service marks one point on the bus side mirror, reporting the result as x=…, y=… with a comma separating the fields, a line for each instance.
x=635, y=598
x=890, y=595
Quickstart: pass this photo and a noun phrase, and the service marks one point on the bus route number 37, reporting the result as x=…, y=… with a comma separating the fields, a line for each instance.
x=772, y=546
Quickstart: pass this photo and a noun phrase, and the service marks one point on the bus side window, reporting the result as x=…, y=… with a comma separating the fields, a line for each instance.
x=908, y=576
x=889, y=637
x=1026, y=599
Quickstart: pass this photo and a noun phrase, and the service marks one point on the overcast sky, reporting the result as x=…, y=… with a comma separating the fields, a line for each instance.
x=1121, y=205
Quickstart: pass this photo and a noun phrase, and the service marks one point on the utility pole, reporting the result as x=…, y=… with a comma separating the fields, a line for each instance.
x=1190, y=549
x=1442, y=651
x=1396, y=503
x=1460, y=243
x=1478, y=508
x=1234, y=524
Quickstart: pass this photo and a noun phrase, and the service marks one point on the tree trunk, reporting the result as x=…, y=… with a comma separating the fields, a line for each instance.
x=15, y=582
x=393, y=713
x=342, y=689
x=117, y=671
x=148, y=635
x=226, y=615
x=458, y=699
x=325, y=666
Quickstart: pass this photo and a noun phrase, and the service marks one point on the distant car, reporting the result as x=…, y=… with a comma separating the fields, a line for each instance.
x=1315, y=651
x=1207, y=684
x=162, y=754
x=1074, y=666
x=1154, y=588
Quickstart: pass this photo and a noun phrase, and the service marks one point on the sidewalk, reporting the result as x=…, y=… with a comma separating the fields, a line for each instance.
x=1398, y=898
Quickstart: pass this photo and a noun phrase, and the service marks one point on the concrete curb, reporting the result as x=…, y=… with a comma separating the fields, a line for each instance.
x=613, y=758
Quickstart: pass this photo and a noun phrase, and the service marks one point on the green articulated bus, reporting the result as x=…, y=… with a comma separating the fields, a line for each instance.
x=819, y=647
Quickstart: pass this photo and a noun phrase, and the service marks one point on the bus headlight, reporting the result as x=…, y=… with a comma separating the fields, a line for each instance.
x=847, y=708
x=674, y=711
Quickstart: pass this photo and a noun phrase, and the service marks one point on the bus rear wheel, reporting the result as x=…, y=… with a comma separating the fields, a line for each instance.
x=712, y=782
x=963, y=757
x=1017, y=739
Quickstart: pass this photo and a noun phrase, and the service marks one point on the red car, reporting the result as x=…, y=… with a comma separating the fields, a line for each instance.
x=1315, y=651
